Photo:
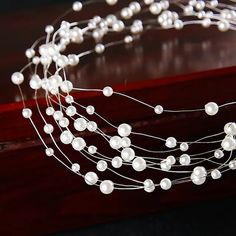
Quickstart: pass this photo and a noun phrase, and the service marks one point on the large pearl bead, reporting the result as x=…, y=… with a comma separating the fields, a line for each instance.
x=124, y=130
x=211, y=108
x=111, y=2
x=184, y=159
x=127, y=154
x=165, y=184
x=17, y=78
x=149, y=186
x=107, y=91
x=230, y=128
x=228, y=144
x=91, y=178
x=218, y=154
x=171, y=142
x=139, y=164
x=115, y=142
x=116, y=162
x=78, y=144
x=26, y=113
x=232, y=165
x=107, y=186
x=80, y=124
x=215, y=174
x=102, y=165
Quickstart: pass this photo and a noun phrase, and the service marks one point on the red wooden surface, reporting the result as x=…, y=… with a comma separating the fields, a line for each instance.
x=176, y=69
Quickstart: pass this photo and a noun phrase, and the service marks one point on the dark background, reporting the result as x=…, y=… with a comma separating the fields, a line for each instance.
x=206, y=218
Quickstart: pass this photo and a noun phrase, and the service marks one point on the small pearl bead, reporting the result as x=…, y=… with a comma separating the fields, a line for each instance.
x=17, y=78
x=178, y=24
x=116, y=162
x=91, y=178
x=184, y=159
x=232, y=165
x=165, y=165
x=148, y=2
x=58, y=115
x=66, y=86
x=107, y=186
x=92, y=126
x=139, y=164
x=26, y=113
x=92, y=149
x=126, y=13
x=69, y=99
x=158, y=109
x=111, y=2
x=211, y=108
x=118, y=26
x=71, y=111
x=124, y=130
x=218, y=154
x=171, y=142
x=128, y=39
x=127, y=154
x=216, y=174
x=135, y=7
x=78, y=144
x=48, y=128
x=49, y=152
x=149, y=186
x=36, y=60
x=115, y=142
x=230, y=128
x=101, y=165
x=35, y=82
x=49, y=29
x=184, y=147
x=80, y=124
x=29, y=53
x=50, y=111
x=165, y=184
x=64, y=122
x=107, y=91
x=228, y=144
x=75, y=167
x=77, y=6
x=155, y=8
x=171, y=160
x=125, y=142
x=90, y=110
x=223, y=25
x=206, y=22
x=66, y=137
x=99, y=48
x=73, y=60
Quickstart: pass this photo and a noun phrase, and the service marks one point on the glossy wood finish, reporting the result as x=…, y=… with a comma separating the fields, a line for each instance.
x=177, y=69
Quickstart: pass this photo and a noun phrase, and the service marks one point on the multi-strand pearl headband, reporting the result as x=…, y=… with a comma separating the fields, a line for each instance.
x=50, y=57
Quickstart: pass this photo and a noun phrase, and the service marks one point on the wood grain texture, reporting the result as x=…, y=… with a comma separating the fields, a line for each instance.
x=177, y=69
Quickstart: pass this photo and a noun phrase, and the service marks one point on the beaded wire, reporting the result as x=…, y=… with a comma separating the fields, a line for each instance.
x=50, y=59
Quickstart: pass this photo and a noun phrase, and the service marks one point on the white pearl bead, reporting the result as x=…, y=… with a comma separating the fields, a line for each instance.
x=78, y=144
x=139, y=164
x=111, y=2
x=50, y=111
x=66, y=86
x=66, y=137
x=101, y=165
x=164, y=4
x=49, y=29
x=116, y=162
x=80, y=124
x=36, y=60
x=48, y=128
x=99, y=48
x=178, y=24
x=184, y=147
x=206, y=22
x=127, y=154
x=155, y=8
x=128, y=39
x=232, y=165
x=158, y=109
x=171, y=160
x=75, y=167
x=188, y=10
x=49, y=152
x=92, y=126
x=17, y=78
x=124, y=130
x=115, y=142
x=165, y=165
x=211, y=108
x=64, y=122
x=149, y=186
x=165, y=184
x=62, y=61
x=230, y=128
x=200, y=171
x=215, y=174
x=135, y=7
x=26, y=113
x=29, y=53
x=77, y=6
x=214, y=3
x=35, y=82
x=218, y=154
x=73, y=60
x=92, y=149
x=198, y=180
x=125, y=142
x=69, y=99
x=171, y=142
x=184, y=159
x=90, y=110
x=228, y=144
x=71, y=111
x=148, y=2
x=58, y=115
x=107, y=91
x=106, y=186
x=126, y=13
x=223, y=25
x=118, y=26
x=91, y=178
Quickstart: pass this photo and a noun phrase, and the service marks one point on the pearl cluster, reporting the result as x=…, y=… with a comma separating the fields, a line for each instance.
x=65, y=111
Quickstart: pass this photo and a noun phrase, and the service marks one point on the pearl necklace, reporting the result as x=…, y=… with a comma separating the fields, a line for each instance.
x=65, y=111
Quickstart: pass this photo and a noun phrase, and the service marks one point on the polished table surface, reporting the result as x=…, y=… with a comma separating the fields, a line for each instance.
x=174, y=68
